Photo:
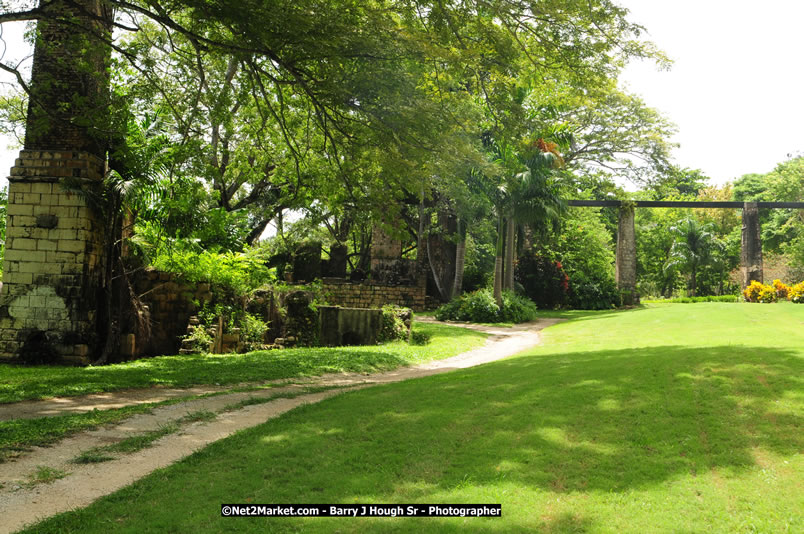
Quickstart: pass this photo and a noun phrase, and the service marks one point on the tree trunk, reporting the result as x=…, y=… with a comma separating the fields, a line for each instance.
x=437, y=279
x=510, y=240
x=693, y=282
x=498, y=263
x=460, y=260
x=527, y=238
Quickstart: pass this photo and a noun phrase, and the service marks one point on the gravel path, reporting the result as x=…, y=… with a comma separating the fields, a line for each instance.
x=23, y=503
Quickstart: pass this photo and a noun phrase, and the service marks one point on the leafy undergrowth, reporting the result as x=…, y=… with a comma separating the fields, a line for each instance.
x=660, y=419
x=37, y=382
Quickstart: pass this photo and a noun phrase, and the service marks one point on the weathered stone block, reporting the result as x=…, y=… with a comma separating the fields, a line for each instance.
x=19, y=187
x=46, y=244
x=70, y=199
x=22, y=220
x=23, y=244
x=41, y=188
x=20, y=209
x=68, y=245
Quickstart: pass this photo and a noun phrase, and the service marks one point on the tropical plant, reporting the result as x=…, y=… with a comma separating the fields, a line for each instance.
x=543, y=280
x=527, y=194
x=796, y=293
x=693, y=248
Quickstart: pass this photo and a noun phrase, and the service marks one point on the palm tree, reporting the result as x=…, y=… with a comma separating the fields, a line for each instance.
x=693, y=248
x=527, y=195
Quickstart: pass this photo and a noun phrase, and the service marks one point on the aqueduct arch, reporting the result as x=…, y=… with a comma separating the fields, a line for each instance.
x=751, y=255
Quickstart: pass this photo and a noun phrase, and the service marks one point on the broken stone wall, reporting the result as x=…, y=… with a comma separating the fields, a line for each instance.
x=171, y=302
x=366, y=295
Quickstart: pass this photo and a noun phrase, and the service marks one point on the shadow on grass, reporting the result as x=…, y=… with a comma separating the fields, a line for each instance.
x=606, y=421
x=609, y=420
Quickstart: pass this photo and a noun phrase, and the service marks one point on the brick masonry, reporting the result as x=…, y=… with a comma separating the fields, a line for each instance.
x=54, y=261
x=364, y=295
x=171, y=301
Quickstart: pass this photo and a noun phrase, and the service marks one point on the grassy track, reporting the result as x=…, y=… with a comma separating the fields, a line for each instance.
x=671, y=418
x=21, y=383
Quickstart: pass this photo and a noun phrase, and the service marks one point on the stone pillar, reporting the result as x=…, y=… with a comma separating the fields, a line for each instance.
x=54, y=264
x=54, y=261
x=625, y=267
x=751, y=253
x=385, y=254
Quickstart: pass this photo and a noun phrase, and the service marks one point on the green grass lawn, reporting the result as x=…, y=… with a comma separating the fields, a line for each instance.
x=668, y=418
x=36, y=382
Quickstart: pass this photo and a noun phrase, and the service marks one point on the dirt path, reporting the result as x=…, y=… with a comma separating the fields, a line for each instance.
x=23, y=503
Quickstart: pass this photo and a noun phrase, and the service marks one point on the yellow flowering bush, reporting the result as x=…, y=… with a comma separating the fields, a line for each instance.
x=796, y=293
x=781, y=289
x=768, y=294
x=754, y=289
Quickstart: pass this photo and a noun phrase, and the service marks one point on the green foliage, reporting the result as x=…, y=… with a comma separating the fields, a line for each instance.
x=677, y=182
x=543, y=280
x=240, y=272
x=252, y=329
x=419, y=338
x=694, y=248
x=3, y=211
x=585, y=250
x=588, y=294
x=517, y=308
x=200, y=339
x=480, y=307
x=393, y=324
x=479, y=267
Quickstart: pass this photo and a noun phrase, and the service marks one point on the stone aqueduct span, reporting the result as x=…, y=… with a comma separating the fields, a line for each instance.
x=56, y=266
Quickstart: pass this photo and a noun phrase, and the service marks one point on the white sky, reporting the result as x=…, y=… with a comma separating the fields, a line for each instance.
x=734, y=91
x=735, y=88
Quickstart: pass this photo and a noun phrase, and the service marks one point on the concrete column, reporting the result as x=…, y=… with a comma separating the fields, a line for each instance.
x=625, y=267
x=751, y=253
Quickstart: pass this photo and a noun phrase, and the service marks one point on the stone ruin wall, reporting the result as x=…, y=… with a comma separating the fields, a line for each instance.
x=171, y=302
x=364, y=295
x=54, y=260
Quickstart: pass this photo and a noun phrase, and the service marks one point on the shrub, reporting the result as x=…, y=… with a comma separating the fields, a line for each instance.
x=517, y=309
x=393, y=326
x=450, y=310
x=419, y=338
x=796, y=293
x=752, y=292
x=543, y=280
x=252, y=329
x=781, y=289
x=594, y=295
x=200, y=339
x=767, y=294
x=480, y=307
x=239, y=271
